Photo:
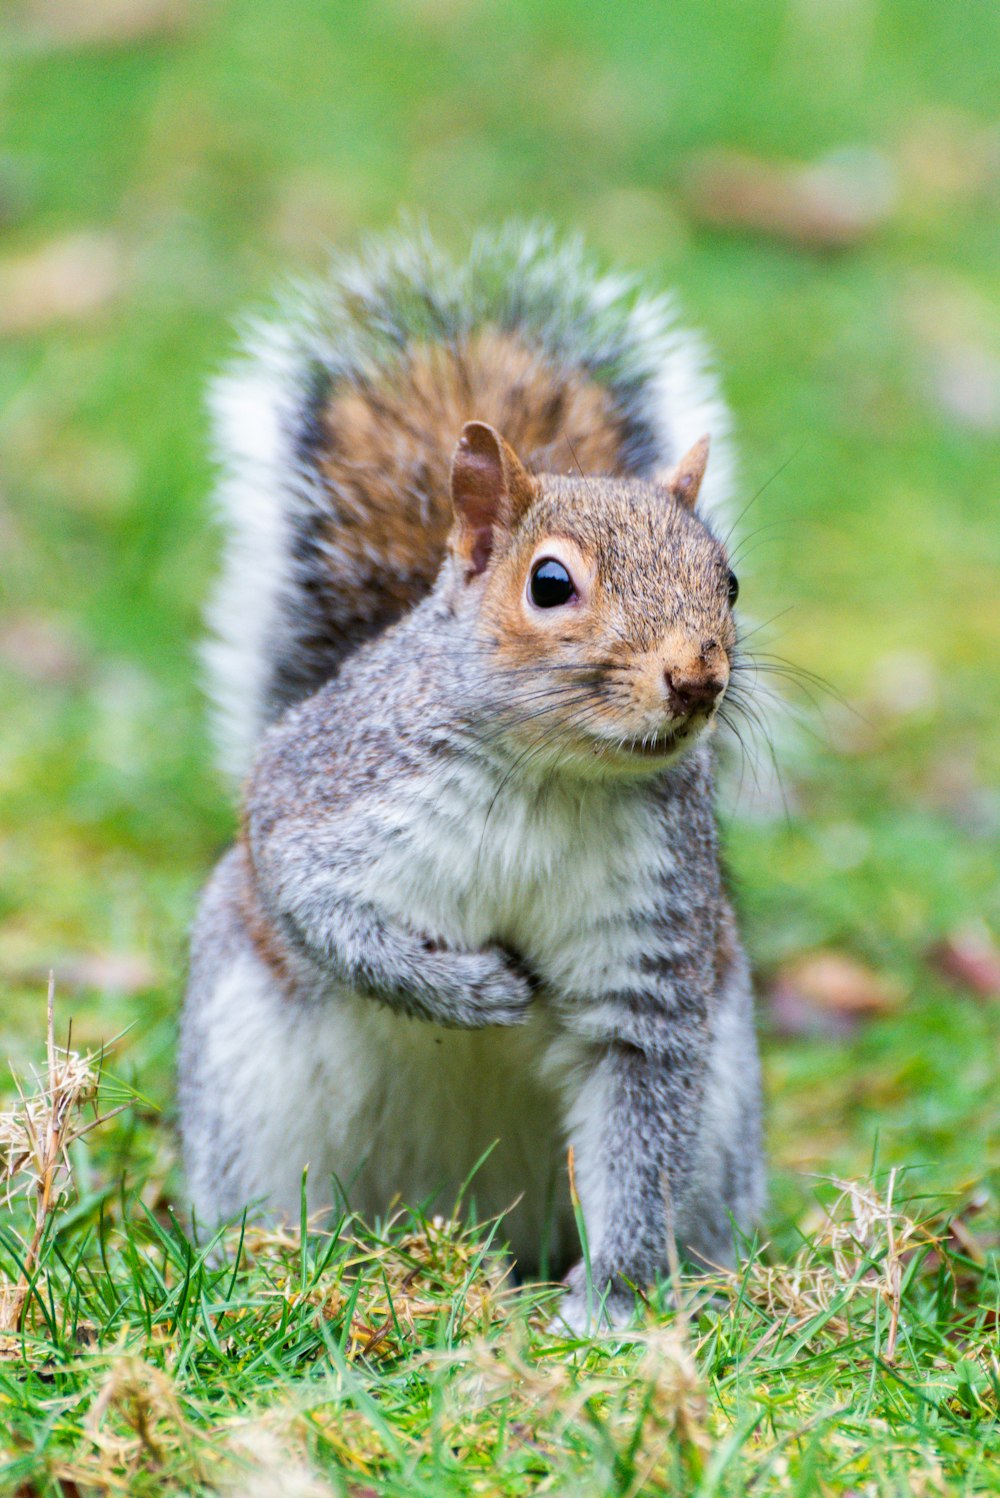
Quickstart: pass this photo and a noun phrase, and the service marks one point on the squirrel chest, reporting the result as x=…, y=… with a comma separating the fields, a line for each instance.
x=543, y=868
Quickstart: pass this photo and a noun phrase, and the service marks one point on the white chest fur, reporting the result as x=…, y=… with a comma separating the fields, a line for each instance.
x=394, y=1105
x=547, y=869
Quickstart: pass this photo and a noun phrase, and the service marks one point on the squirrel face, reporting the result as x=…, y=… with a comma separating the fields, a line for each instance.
x=605, y=604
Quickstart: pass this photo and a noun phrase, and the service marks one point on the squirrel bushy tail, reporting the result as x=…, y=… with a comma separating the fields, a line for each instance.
x=334, y=432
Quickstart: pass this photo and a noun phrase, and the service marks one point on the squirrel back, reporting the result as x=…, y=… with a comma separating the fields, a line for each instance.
x=335, y=429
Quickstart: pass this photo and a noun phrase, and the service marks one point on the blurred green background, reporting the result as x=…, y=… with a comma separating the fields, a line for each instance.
x=818, y=179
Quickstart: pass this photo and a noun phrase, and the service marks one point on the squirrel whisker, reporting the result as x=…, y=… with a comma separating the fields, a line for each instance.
x=753, y=500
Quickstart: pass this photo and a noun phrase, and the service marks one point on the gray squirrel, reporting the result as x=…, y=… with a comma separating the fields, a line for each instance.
x=476, y=908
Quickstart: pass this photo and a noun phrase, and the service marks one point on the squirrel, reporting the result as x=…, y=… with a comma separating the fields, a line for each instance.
x=475, y=917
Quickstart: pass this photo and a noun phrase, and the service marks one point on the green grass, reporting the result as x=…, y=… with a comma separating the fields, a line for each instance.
x=221, y=156
x=395, y=1359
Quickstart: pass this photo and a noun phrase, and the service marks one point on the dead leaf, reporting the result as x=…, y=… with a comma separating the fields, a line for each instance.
x=828, y=204
x=40, y=650
x=74, y=23
x=67, y=280
x=438, y=15
x=970, y=958
x=829, y=993
x=121, y=973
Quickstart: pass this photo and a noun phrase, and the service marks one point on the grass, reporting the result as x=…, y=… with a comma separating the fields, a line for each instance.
x=218, y=154
x=395, y=1359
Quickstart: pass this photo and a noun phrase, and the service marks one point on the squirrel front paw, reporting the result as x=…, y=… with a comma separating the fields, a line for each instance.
x=586, y=1310
x=481, y=988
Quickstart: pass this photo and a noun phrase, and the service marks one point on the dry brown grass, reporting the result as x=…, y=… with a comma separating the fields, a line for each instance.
x=858, y=1246
x=35, y=1137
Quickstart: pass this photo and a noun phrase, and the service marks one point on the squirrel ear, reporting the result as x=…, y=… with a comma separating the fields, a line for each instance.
x=490, y=490
x=683, y=481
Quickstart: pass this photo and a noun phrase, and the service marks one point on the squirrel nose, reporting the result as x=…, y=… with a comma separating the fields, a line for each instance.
x=689, y=691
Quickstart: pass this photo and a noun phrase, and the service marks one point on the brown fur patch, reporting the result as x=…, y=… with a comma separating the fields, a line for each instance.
x=726, y=946
x=263, y=937
x=387, y=447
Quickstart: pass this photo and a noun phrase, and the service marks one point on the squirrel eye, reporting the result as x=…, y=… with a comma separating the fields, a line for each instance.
x=733, y=584
x=551, y=585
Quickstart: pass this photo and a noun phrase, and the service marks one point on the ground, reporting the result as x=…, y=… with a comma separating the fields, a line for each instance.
x=163, y=166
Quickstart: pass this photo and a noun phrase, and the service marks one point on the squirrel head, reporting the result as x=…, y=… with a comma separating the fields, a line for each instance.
x=605, y=604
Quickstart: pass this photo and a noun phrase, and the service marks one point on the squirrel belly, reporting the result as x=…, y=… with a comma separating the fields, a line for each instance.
x=379, y=1106
x=476, y=908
